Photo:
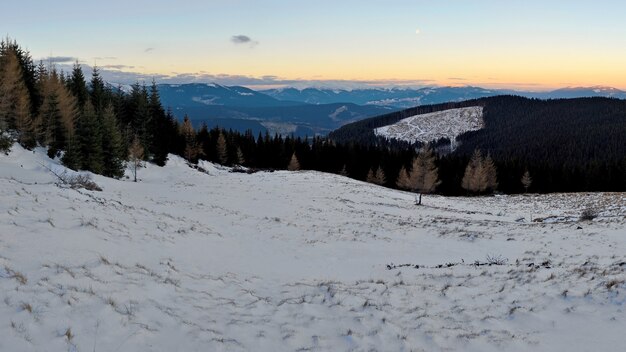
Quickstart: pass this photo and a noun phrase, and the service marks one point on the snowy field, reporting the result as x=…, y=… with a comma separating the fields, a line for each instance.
x=217, y=261
x=433, y=126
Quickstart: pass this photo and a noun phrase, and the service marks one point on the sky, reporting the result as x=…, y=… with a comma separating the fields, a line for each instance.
x=529, y=44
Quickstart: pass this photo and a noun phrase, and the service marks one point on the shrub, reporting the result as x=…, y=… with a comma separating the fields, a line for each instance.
x=588, y=214
x=6, y=142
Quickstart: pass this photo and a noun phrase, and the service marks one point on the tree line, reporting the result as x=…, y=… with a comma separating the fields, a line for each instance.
x=526, y=144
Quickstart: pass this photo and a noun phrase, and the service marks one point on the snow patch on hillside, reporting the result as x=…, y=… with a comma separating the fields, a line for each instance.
x=335, y=115
x=432, y=126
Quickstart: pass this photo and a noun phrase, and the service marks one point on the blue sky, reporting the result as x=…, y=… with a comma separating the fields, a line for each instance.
x=514, y=44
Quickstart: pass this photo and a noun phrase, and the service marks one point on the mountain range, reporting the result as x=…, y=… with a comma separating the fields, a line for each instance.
x=318, y=111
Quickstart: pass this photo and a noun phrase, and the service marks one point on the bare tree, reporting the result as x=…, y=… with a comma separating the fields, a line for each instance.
x=424, y=176
x=192, y=150
x=480, y=174
x=526, y=180
x=222, y=149
x=135, y=155
x=344, y=171
x=294, y=164
x=404, y=179
x=240, y=157
x=376, y=177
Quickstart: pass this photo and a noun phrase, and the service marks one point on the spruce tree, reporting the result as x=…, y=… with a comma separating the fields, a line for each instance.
x=112, y=146
x=89, y=133
x=98, y=92
x=78, y=86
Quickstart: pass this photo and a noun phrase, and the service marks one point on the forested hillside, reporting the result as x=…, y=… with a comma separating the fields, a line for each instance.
x=567, y=144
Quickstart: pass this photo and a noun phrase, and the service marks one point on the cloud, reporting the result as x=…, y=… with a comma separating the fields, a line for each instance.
x=457, y=79
x=147, y=50
x=60, y=59
x=105, y=58
x=240, y=39
x=418, y=31
x=243, y=39
x=117, y=67
x=126, y=74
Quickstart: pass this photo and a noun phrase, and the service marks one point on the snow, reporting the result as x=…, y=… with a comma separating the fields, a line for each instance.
x=334, y=115
x=207, y=100
x=203, y=260
x=433, y=126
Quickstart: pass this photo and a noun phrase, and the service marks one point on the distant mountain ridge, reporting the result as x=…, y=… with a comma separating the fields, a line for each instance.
x=314, y=111
x=410, y=97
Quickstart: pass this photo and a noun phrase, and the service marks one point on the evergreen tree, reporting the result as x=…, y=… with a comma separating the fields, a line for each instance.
x=112, y=146
x=98, y=93
x=89, y=133
x=72, y=158
x=78, y=86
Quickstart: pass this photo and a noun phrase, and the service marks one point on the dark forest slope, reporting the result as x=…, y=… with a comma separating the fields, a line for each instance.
x=568, y=144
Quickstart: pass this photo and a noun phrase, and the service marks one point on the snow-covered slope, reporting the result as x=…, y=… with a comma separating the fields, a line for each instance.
x=429, y=127
x=191, y=261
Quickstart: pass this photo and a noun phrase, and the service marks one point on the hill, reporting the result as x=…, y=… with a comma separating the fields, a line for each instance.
x=295, y=261
x=570, y=144
x=411, y=97
x=240, y=109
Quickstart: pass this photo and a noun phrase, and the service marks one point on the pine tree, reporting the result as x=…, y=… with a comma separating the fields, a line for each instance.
x=112, y=146
x=135, y=156
x=526, y=180
x=294, y=164
x=222, y=149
